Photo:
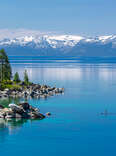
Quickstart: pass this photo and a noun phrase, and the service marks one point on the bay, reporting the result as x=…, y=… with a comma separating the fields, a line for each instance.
x=83, y=120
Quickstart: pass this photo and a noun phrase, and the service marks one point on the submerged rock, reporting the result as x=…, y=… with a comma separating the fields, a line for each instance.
x=48, y=113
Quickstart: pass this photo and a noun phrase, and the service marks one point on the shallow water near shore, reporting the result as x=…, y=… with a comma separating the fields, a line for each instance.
x=83, y=120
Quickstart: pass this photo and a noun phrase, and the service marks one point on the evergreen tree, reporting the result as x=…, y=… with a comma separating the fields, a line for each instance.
x=16, y=77
x=5, y=68
x=26, y=79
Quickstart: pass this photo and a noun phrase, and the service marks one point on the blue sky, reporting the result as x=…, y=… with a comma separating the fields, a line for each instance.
x=82, y=17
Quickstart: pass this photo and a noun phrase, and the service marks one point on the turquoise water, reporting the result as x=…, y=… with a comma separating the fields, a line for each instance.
x=83, y=120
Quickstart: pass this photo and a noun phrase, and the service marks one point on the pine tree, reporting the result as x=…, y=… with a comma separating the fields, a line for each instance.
x=26, y=79
x=16, y=77
x=5, y=68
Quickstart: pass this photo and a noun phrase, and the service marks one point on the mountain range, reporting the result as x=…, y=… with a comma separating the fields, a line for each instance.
x=59, y=45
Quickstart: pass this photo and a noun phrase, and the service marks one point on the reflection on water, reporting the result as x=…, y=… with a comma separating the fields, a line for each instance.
x=8, y=126
x=75, y=72
x=107, y=113
x=83, y=117
x=6, y=101
x=11, y=126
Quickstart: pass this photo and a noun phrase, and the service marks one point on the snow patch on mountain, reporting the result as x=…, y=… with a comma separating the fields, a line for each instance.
x=110, y=38
x=63, y=40
x=36, y=40
x=54, y=41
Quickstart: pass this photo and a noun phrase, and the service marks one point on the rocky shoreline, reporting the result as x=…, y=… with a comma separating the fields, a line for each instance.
x=14, y=87
x=32, y=90
x=22, y=110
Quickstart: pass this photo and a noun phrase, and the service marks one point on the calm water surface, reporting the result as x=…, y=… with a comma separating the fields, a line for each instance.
x=83, y=120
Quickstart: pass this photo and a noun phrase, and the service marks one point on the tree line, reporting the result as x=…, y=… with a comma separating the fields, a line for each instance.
x=6, y=70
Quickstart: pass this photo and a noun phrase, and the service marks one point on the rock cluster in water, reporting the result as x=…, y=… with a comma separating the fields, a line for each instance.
x=22, y=110
x=32, y=90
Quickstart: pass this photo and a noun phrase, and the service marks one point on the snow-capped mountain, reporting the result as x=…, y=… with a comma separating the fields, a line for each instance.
x=56, y=41
x=61, y=45
x=42, y=41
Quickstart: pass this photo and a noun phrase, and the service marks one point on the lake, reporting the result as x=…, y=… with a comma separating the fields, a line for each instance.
x=83, y=120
